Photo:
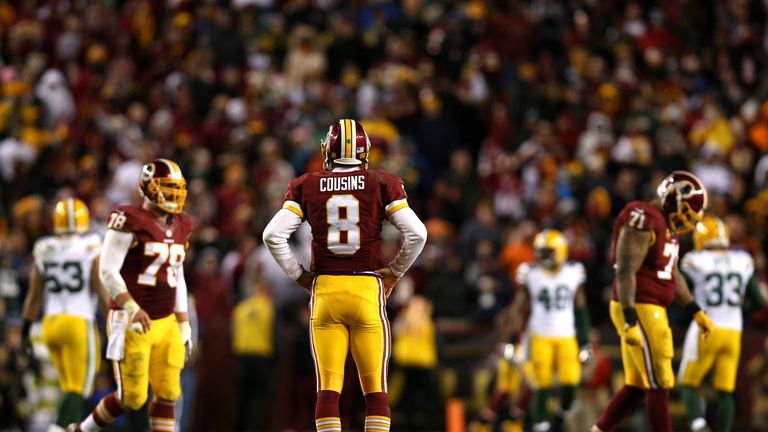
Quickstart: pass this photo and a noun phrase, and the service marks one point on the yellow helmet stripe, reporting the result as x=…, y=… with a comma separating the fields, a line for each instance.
x=71, y=225
x=721, y=231
x=353, y=137
x=173, y=167
x=343, y=134
x=348, y=137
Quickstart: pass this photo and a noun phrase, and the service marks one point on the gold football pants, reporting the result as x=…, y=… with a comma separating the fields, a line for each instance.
x=153, y=358
x=349, y=312
x=649, y=366
x=73, y=343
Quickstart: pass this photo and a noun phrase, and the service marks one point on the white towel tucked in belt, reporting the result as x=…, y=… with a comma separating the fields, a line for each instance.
x=118, y=323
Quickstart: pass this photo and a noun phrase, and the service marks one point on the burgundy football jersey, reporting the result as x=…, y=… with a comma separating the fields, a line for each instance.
x=149, y=268
x=655, y=279
x=345, y=211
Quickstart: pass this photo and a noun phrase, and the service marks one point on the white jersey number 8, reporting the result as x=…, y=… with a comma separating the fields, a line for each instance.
x=343, y=228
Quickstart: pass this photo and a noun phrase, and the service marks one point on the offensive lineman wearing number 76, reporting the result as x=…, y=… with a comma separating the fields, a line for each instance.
x=346, y=205
x=141, y=266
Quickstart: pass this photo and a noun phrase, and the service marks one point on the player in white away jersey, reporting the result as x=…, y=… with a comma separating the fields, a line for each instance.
x=558, y=321
x=64, y=282
x=721, y=279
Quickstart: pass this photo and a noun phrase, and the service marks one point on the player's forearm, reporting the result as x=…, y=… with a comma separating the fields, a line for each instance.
x=414, y=238
x=683, y=295
x=276, y=236
x=626, y=288
x=754, y=295
x=98, y=288
x=123, y=299
x=581, y=316
x=114, y=250
x=34, y=299
x=631, y=249
x=181, y=307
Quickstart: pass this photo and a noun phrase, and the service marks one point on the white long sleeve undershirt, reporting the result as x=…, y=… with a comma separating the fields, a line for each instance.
x=285, y=222
x=181, y=290
x=414, y=238
x=276, y=235
x=113, y=252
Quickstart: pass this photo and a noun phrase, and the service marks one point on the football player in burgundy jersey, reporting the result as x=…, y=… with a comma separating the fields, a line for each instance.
x=644, y=250
x=348, y=280
x=141, y=266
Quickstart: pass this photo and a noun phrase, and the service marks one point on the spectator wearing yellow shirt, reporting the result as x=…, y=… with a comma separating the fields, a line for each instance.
x=415, y=353
x=253, y=344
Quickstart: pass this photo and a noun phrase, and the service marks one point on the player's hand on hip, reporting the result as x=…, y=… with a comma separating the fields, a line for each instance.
x=141, y=322
x=305, y=280
x=388, y=279
x=704, y=322
x=633, y=336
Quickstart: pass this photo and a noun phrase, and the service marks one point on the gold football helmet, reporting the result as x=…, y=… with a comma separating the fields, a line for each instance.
x=711, y=232
x=550, y=248
x=163, y=183
x=346, y=143
x=70, y=215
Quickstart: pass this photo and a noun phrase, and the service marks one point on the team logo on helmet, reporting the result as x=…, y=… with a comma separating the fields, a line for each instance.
x=683, y=199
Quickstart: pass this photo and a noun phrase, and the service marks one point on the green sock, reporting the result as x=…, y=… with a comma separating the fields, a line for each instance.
x=726, y=408
x=692, y=402
x=70, y=409
x=567, y=396
x=539, y=413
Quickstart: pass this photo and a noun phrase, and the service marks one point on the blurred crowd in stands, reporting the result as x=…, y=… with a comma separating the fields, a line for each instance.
x=502, y=116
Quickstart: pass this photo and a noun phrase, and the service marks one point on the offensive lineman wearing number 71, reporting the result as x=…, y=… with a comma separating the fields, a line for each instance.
x=346, y=205
x=644, y=250
x=141, y=266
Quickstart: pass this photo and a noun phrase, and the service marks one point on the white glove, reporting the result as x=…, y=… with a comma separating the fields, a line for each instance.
x=586, y=354
x=186, y=338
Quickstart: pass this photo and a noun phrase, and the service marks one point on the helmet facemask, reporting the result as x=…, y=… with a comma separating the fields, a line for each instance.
x=547, y=258
x=684, y=220
x=550, y=249
x=171, y=194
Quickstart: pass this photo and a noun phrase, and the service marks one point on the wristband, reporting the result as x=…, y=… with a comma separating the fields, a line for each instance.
x=300, y=272
x=630, y=316
x=132, y=308
x=692, y=308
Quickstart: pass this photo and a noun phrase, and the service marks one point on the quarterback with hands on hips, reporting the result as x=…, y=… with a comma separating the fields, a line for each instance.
x=141, y=266
x=346, y=205
x=644, y=250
